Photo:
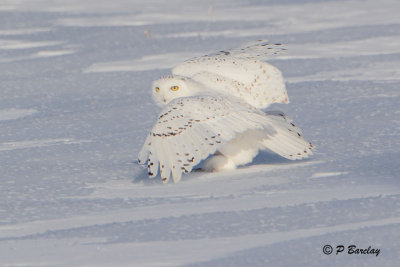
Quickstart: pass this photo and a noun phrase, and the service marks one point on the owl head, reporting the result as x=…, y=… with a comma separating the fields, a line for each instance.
x=170, y=87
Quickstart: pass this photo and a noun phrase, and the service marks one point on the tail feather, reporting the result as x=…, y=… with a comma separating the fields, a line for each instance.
x=288, y=141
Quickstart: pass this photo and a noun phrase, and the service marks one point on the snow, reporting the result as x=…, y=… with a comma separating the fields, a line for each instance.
x=13, y=113
x=76, y=105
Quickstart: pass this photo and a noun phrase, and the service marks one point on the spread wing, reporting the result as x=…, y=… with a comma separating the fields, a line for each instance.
x=189, y=129
x=239, y=72
x=255, y=49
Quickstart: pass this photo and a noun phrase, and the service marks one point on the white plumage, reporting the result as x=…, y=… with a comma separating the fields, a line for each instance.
x=211, y=106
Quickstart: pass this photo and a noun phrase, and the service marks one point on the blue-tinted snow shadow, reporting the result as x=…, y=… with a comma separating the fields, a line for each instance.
x=265, y=157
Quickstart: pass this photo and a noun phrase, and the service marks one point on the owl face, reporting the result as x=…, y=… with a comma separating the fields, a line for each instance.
x=168, y=88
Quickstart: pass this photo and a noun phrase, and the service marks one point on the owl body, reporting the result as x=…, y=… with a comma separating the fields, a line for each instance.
x=211, y=115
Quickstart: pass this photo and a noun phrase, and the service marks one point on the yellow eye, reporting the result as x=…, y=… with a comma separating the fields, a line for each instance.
x=157, y=89
x=175, y=88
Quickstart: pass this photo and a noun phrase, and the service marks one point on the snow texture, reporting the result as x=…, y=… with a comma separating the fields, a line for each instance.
x=76, y=106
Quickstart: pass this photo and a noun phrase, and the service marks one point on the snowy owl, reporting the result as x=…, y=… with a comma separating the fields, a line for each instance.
x=212, y=113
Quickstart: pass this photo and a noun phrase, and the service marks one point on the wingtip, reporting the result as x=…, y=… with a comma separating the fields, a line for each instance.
x=177, y=178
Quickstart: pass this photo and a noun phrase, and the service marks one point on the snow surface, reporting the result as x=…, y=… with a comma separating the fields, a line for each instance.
x=75, y=107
